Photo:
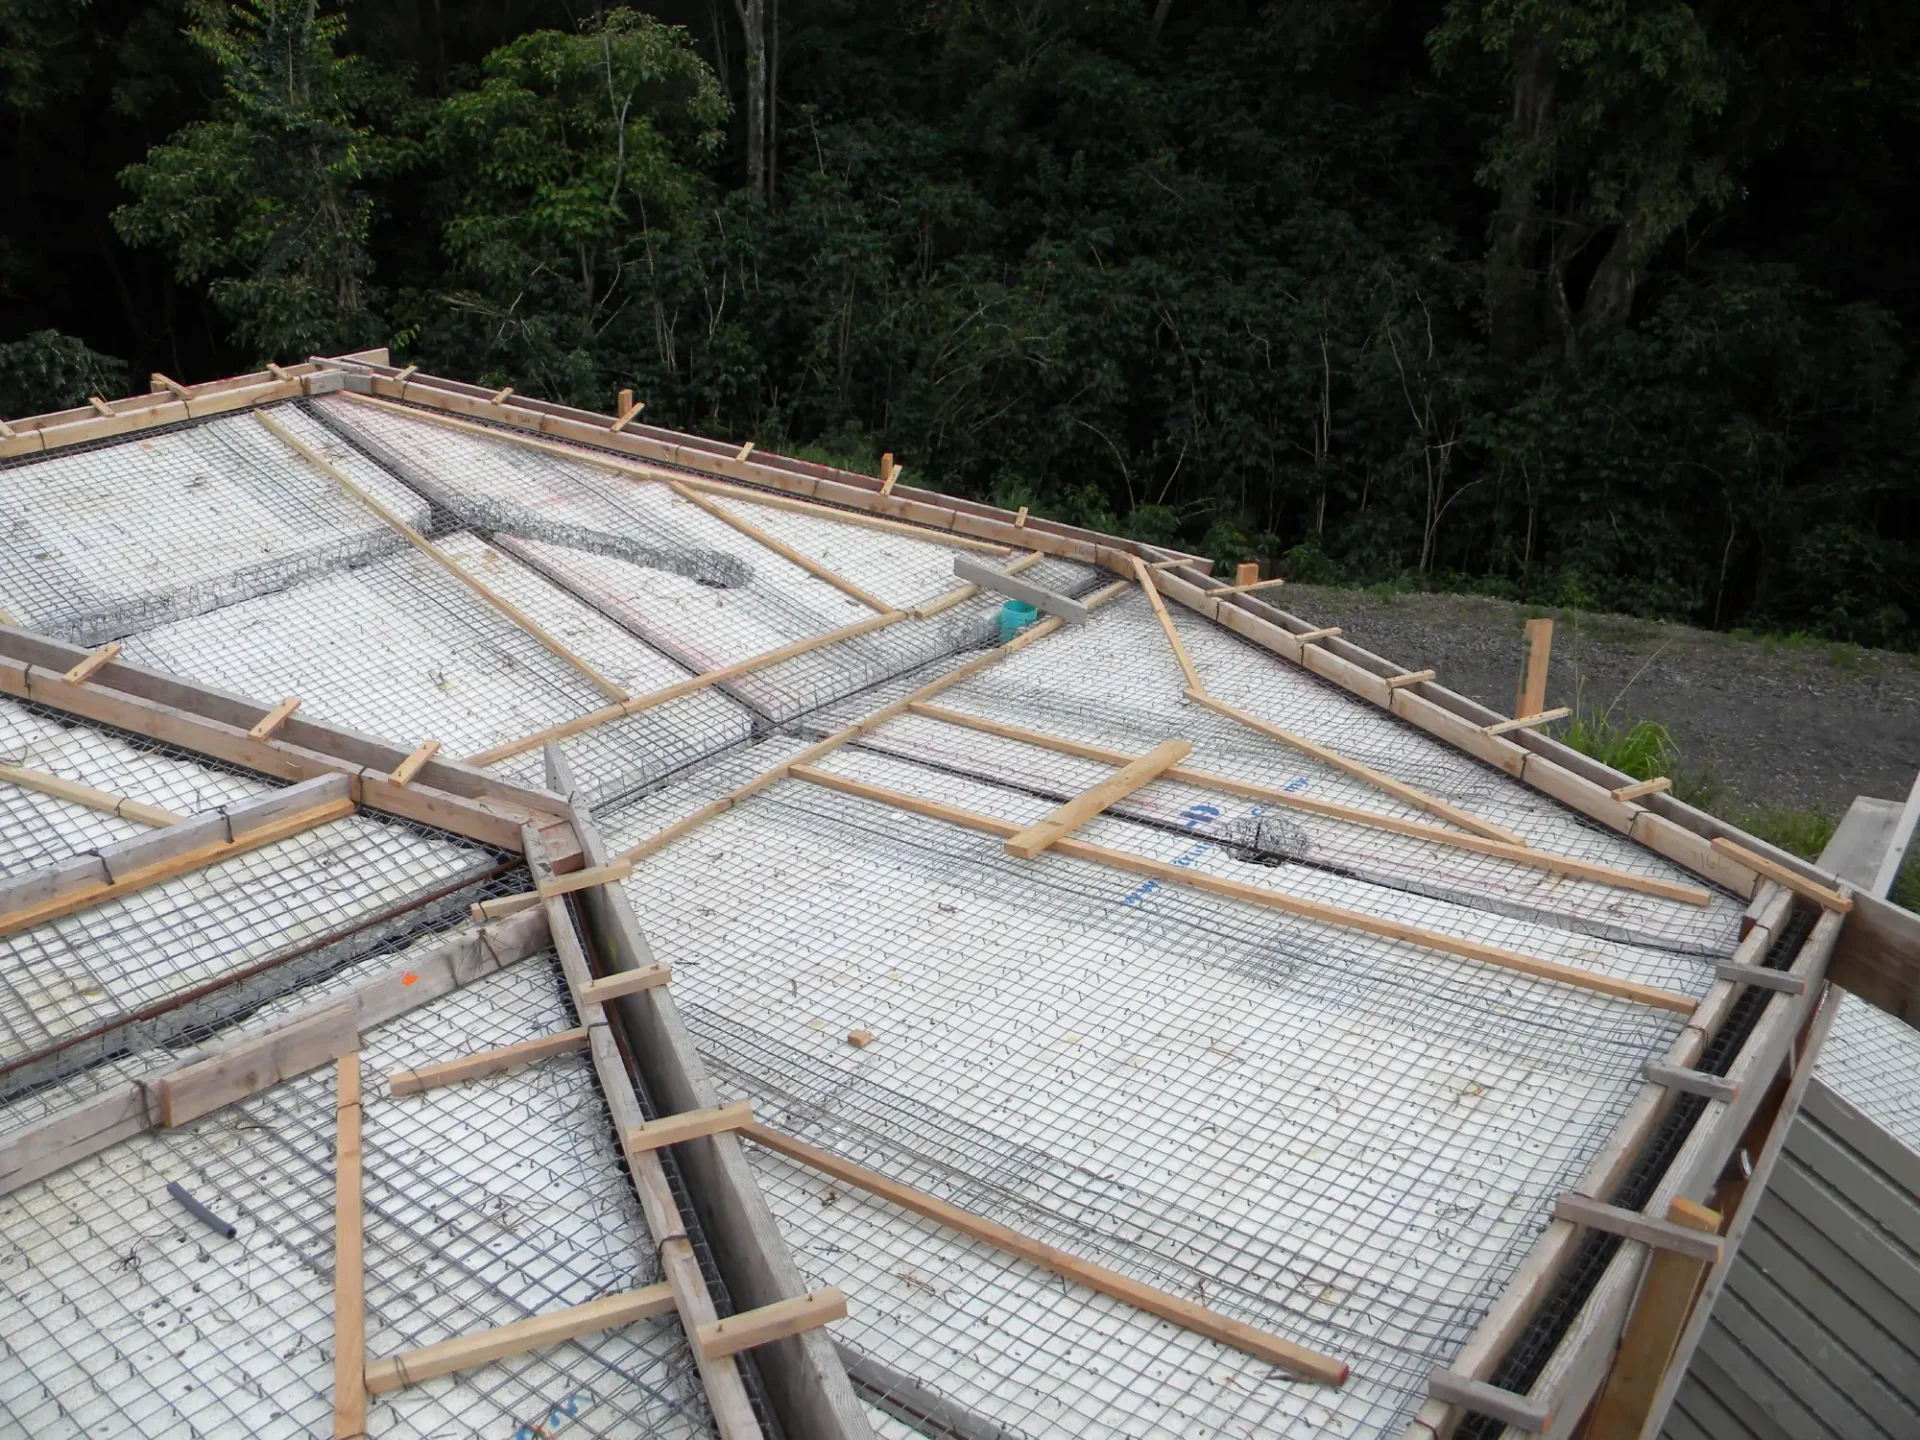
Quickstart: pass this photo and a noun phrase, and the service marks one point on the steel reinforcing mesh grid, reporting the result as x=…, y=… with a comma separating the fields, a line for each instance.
x=484, y=1204
x=104, y=540
x=1348, y=1140
x=38, y=830
x=71, y=977
x=1047, y=689
x=1869, y=1059
x=447, y=665
x=495, y=484
x=331, y=892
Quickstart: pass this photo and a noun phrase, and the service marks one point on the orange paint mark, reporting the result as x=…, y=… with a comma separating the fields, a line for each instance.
x=408, y=978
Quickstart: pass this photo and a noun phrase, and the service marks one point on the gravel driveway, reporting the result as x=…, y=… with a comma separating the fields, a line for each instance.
x=1775, y=723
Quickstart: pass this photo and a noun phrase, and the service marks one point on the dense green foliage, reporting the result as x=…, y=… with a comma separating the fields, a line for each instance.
x=1592, y=302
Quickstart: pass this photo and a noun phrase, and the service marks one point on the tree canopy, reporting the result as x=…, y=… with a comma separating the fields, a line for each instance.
x=1602, y=302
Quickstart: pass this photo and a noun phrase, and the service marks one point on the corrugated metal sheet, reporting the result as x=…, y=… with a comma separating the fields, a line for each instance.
x=1817, y=1334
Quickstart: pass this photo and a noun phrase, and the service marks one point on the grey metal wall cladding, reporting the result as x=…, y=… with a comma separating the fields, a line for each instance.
x=1817, y=1334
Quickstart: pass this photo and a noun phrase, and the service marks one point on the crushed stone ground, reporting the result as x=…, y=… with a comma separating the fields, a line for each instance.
x=1776, y=723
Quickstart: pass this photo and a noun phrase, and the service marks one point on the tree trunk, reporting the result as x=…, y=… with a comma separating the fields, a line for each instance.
x=1512, y=278
x=753, y=26
x=720, y=66
x=1160, y=9
x=1609, y=299
x=772, y=104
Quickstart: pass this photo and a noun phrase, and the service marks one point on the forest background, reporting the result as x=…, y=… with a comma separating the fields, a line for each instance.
x=1605, y=305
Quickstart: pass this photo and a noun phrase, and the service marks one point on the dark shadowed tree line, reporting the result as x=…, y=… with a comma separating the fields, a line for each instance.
x=1603, y=302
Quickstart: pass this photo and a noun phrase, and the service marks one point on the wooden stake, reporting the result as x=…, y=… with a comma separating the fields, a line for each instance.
x=349, y=1296
x=504, y=906
x=486, y=1062
x=1090, y=802
x=1273, y=795
x=628, y=412
x=887, y=473
x=625, y=402
x=274, y=719
x=1532, y=696
x=1840, y=900
x=1419, y=799
x=1020, y=518
x=582, y=723
x=779, y=547
x=100, y=406
x=1683, y=1239
x=1246, y=573
x=1660, y=1313
x=1271, y=899
x=76, y=793
x=1644, y=787
x=429, y=1362
x=1526, y=722
x=404, y=772
x=720, y=1338
x=86, y=669
x=440, y=557
x=743, y=452
x=1195, y=1318
x=687, y=1125
x=1145, y=577
x=624, y=982
x=581, y=879
x=1411, y=677
x=176, y=865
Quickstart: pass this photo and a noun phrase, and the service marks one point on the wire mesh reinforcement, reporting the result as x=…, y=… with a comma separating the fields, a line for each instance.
x=294, y=977
x=1339, y=1138
x=484, y=1204
x=499, y=485
x=1348, y=1140
x=1872, y=1061
x=401, y=649
x=100, y=542
x=99, y=966
x=71, y=988
x=1113, y=682
x=37, y=830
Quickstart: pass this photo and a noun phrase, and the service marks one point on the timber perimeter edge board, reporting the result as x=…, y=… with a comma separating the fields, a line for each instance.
x=166, y=708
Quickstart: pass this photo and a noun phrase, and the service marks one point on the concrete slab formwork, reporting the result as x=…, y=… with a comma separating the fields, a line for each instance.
x=1348, y=1140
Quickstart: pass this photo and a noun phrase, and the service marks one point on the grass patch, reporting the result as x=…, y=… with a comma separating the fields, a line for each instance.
x=1801, y=830
x=1643, y=750
x=1646, y=749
